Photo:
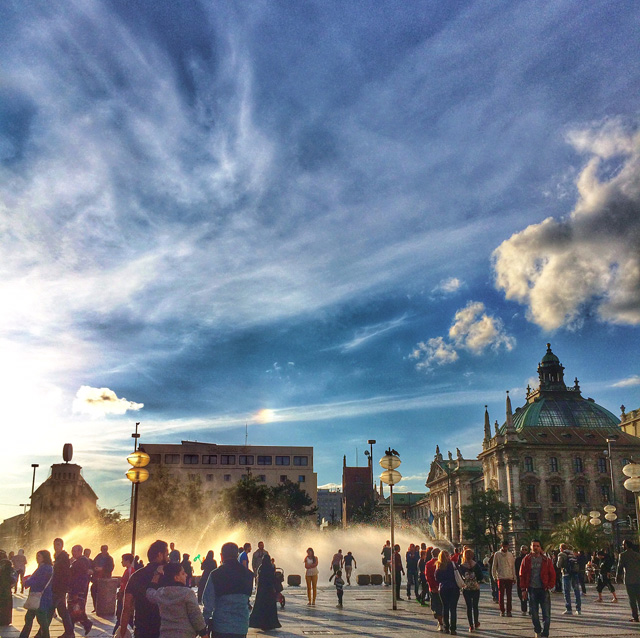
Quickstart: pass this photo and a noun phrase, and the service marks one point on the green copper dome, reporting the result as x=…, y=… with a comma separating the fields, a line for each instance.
x=549, y=357
x=564, y=412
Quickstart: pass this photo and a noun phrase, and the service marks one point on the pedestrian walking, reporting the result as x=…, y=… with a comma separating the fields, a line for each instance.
x=504, y=573
x=339, y=583
x=629, y=569
x=537, y=578
x=605, y=574
x=449, y=592
x=567, y=562
x=349, y=564
x=127, y=563
x=79, y=577
x=472, y=575
x=60, y=586
x=337, y=561
x=524, y=550
x=243, y=557
x=583, y=559
x=311, y=575
x=226, y=595
x=188, y=568
x=19, y=562
x=386, y=562
x=39, y=603
x=434, y=587
x=207, y=566
x=180, y=615
x=424, y=586
x=7, y=580
x=412, y=557
x=103, y=566
x=398, y=569
x=174, y=554
x=145, y=614
x=264, y=614
x=256, y=559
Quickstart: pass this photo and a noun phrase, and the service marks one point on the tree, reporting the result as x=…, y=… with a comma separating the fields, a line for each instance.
x=579, y=534
x=487, y=519
x=246, y=501
x=290, y=504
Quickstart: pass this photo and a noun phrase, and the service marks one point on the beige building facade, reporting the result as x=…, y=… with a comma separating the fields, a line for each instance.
x=220, y=466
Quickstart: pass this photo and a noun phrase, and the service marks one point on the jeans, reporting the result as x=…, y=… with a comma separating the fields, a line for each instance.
x=633, y=589
x=412, y=581
x=523, y=599
x=339, y=593
x=472, y=598
x=582, y=581
x=398, y=583
x=505, y=587
x=494, y=588
x=60, y=606
x=43, y=616
x=312, y=585
x=436, y=605
x=450, y=599
x=569, y=582
x=540, y=599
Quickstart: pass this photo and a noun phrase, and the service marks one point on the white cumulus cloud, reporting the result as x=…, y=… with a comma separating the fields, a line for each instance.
x=101, y=401
x=629, y=382
x=557, y=267
x=473, y=330
x=448, y=286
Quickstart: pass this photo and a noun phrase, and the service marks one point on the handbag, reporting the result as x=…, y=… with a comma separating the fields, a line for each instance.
x=458, y=577
x=35, y=597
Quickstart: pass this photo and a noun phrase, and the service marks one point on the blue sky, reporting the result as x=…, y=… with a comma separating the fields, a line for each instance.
x=334, y=221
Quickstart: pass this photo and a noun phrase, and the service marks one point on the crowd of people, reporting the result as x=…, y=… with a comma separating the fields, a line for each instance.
x=157, y=600
x=437, y=577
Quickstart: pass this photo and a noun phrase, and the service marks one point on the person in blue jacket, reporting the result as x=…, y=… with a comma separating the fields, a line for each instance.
x=40, y=581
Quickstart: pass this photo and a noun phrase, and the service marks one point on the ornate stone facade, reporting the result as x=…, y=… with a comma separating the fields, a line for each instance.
x=550, y=459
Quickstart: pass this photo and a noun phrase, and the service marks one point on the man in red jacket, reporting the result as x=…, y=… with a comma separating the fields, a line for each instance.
x=430, y=575
x=537, y=577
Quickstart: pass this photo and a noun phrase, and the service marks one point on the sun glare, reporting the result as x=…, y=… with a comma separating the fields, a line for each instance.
x=265, y=416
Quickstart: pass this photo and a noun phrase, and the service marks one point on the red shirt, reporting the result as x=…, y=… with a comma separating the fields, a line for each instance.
x=430, y=574
x=455, y=557
x=124, y=579
x=547, y=572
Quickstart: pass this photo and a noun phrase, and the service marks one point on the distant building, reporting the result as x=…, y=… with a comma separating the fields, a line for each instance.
x=548, y=459
x=630, y=421
x=357, y=489
x=220, y=466
x=329, y=506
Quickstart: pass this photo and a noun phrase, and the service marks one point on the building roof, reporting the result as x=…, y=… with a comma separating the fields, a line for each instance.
x=555, y=405
x=405, y=498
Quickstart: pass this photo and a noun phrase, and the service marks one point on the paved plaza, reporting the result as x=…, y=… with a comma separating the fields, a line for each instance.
x=367, y=613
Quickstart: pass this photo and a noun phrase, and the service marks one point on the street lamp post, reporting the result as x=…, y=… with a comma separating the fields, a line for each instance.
x=137, y=474
x=33, y=480
x=389, y=462
x=611, y=439
x=632, y=470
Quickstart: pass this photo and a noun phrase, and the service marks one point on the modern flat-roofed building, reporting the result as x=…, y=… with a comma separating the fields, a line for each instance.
x=329, y=505
x=220, y=466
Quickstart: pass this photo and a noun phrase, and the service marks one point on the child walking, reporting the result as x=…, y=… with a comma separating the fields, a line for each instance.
x=339, y=583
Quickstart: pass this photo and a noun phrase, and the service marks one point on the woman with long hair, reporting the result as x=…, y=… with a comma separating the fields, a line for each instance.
x=449, y=592
x=40, y=582
x=311, y=575
x=264, y=614
x=472, y=575
x=207, y=566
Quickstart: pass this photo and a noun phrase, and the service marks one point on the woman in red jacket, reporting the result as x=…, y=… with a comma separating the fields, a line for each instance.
x=537, y=577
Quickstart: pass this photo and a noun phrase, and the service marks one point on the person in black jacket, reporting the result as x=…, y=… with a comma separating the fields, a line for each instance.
x=472, y=574
x=265, y=611
x=524, y=550
x=60, y=586
x=207, y=565
x=78, y=588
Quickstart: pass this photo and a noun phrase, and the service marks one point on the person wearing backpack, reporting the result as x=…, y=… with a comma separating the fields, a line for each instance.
x=472, y=575
x=568, y=564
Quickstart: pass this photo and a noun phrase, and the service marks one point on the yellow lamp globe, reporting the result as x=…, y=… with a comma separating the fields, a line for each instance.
x=138, y=459
x=390, y=462
x=137, y=474
x=391, y=477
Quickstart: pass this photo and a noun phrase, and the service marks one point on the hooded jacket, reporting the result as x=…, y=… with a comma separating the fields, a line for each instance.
x=504, y=566
x=180, y=615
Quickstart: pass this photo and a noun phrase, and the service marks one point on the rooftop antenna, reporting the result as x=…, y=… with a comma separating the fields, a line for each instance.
x=246, y=433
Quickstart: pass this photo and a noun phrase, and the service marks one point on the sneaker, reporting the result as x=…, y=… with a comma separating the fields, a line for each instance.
x=566, y=612
x=577, y=612
x=87, y=627
x=614, y=600
x=439, y=627
x=477, y=625
x=339, y=606
x=453, y=632
x=633, y=620
x=470, y=629
x=509, y=614
x=502, y=613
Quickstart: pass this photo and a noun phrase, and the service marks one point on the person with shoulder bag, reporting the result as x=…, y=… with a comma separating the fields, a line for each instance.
x=449, y=591
x=472, y=576
x=40, y=599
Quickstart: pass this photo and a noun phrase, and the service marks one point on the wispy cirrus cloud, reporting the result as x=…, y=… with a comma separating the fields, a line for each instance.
x=629, y=382
x=368, y=333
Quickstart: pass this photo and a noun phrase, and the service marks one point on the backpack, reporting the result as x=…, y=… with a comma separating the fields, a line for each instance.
x=572, y=565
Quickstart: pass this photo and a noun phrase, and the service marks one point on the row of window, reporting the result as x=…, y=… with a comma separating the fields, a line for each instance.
x=230, y=459
x=578, y=465
x=261, y=477
x=531, y=493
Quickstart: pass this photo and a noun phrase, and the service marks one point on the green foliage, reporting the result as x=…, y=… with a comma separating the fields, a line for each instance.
x=579, y=534
x=369, y=513
x=250, y=501
x=110, y=517
x=487, y=519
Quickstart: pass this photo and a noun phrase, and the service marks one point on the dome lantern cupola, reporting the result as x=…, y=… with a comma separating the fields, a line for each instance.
x=551, y=372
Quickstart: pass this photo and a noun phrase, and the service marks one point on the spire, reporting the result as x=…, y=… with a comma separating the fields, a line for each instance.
x=344, y=461
x=509, y=414
x=487, y=424
x=496, y=426
x=381, y=489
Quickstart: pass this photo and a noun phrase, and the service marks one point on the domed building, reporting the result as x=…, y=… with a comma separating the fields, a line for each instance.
x=549, y=458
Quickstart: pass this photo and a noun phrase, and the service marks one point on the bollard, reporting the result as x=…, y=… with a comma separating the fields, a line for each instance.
x=106, y=589
x=294, y=580
x=363, y=579
x=376, y=579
